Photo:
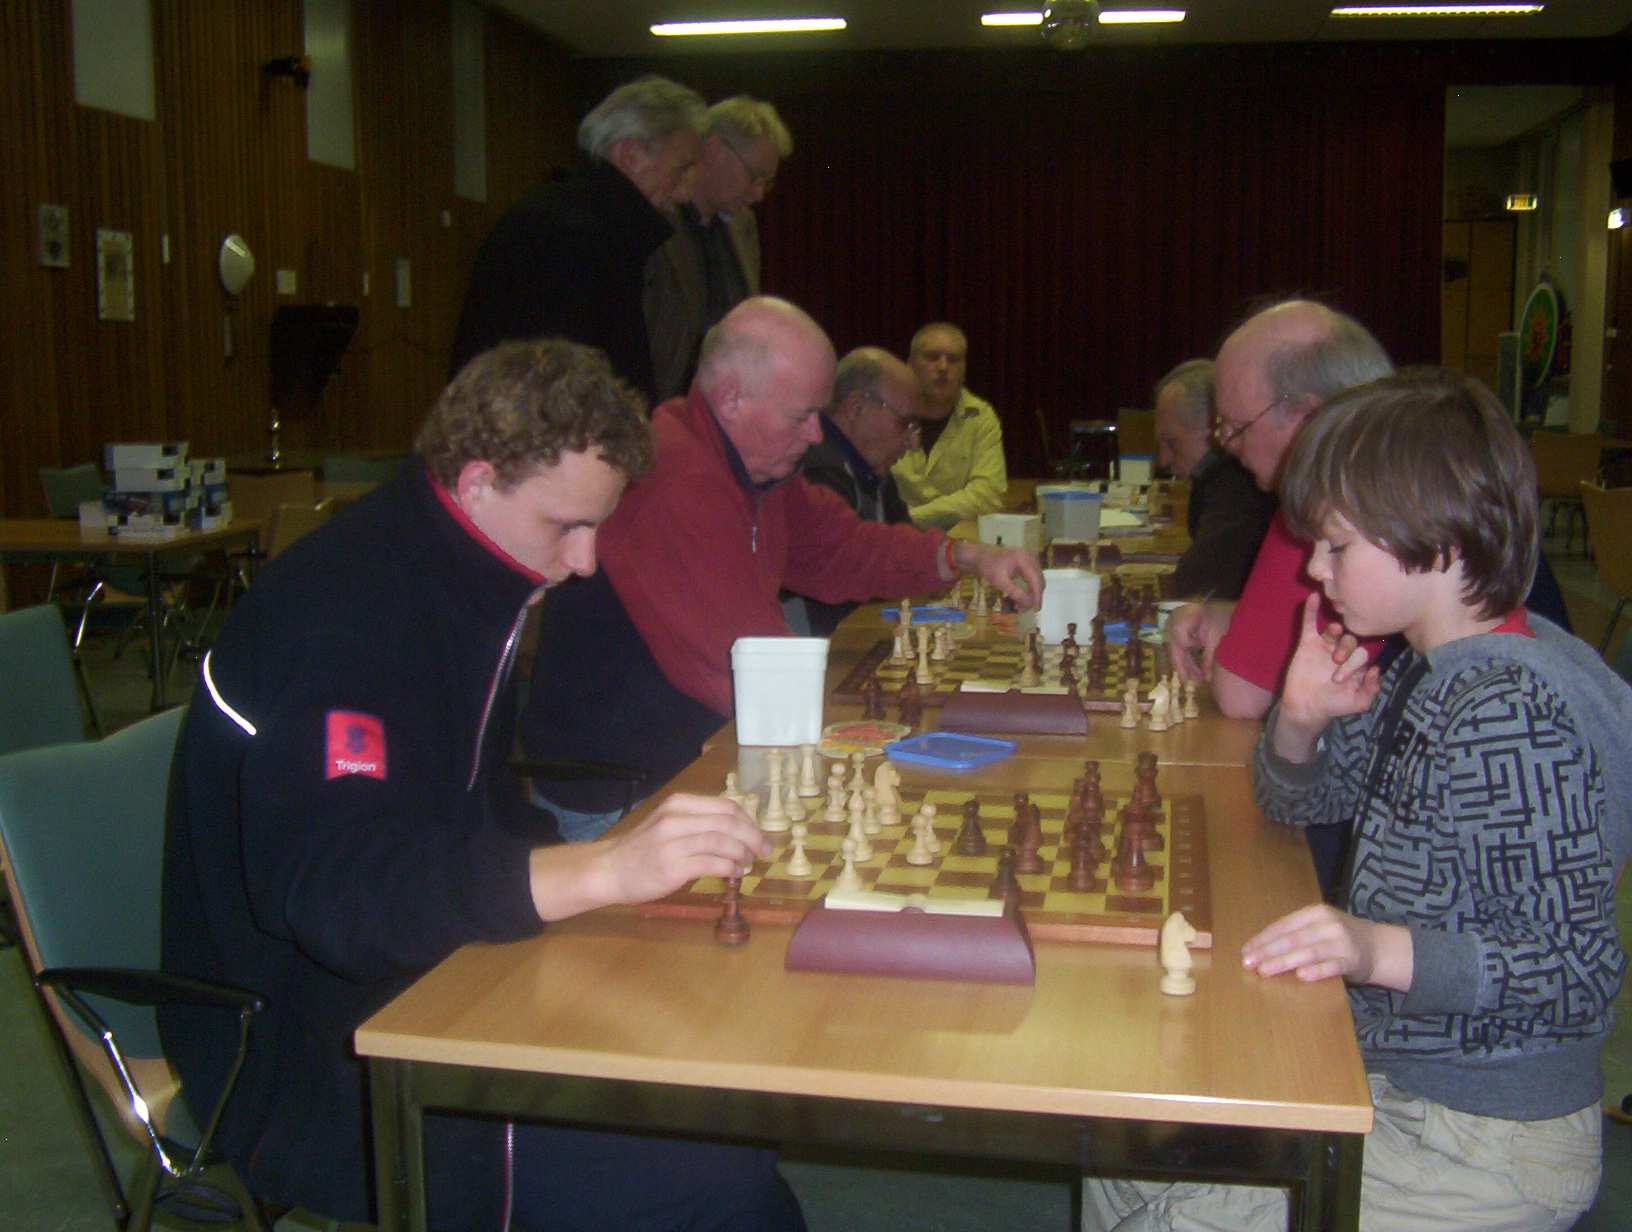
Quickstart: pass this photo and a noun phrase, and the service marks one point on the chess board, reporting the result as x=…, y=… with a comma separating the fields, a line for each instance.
x=1000, y=659
x=1052, y=910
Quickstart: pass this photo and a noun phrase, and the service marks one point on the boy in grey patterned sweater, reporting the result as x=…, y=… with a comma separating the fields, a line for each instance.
x=1488, y=778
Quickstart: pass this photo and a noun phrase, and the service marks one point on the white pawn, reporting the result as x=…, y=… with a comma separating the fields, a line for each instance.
x=1175, y=708
x=775, y=820
x=835, y=795
x=792, y=805
x=927, y=812
x=858, y=831
x=809, y=786
x=858, y=772
x=1191, y=709
x=798, y=864
x=920, y=854
x=1130, y=706
x=848, y=879
x=731, y=792
x=906, y=613
x=870, y=822
x=925, y=674
x=942, y=650
x=902, y=650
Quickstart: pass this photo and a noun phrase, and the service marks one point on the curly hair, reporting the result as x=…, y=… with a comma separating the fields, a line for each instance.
x=521, y=405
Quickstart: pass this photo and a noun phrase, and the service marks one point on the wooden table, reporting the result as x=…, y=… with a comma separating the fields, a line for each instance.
x=620, y=1021
x=62, y=540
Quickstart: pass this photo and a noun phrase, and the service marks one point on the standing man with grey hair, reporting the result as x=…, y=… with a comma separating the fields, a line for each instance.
x=711, y=262
x=569, y=258
x=1228, y=512
x=957, y=470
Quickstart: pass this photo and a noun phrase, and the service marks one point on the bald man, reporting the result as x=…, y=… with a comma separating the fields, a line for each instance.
x=634, y=664
x=1228, y=512
x=873, y=421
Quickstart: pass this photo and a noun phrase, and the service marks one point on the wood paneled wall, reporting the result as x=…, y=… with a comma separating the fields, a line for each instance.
x=228, y=153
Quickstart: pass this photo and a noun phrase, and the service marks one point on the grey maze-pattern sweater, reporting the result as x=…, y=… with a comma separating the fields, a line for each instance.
x=1492, y=826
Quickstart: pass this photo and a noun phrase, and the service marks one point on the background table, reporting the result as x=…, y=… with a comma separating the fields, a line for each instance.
x=616, y=1020
x=53, y=540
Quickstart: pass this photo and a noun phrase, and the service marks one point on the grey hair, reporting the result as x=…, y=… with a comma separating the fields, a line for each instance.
x=1194, y=377
x=859, y=372
x=912, y=348
x=646, y=109
x=743, y=119
x=1345, y=355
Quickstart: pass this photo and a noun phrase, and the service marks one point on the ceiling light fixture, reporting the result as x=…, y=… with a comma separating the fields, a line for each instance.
x=1107, y=17
x=778, y=25
x=1618, y=217
x=1438, y=10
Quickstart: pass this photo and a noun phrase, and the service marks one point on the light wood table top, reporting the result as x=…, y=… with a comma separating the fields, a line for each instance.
x=23, y=536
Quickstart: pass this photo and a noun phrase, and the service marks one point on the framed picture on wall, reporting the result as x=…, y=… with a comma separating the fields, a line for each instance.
x=115, y=275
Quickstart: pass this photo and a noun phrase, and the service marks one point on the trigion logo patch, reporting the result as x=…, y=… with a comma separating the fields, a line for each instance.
x=355, y=744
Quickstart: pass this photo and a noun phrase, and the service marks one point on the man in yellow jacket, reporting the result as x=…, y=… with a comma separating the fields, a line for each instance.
x=957, y=471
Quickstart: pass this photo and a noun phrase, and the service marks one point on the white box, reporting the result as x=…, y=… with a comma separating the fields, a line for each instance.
x=1012, y=530
x=1136, y=467
x=143, y=453
x=152, y=478
x=1070, y=510
x=778, y=683
x=1070, y=597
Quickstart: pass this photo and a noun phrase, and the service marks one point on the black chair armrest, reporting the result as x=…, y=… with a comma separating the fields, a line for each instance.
x=570, y=769
x=139, y=987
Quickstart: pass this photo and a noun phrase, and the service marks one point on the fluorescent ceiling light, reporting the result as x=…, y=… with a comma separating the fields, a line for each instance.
x=1437, y=10
x=1107, y=17
x=1139, y=17
x=1617, y=218
x=778, y=25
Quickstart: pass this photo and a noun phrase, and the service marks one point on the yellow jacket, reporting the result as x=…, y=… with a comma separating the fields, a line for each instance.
x=964, y=475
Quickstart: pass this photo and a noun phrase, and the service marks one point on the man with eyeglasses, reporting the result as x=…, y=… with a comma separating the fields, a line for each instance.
x=569, y=259
x=1228, y=513
x=634, y=663
x=956, y=470
x=711, y=261
x=872, y=422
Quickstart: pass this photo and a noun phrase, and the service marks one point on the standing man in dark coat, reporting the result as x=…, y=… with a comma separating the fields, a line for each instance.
x=569, y=258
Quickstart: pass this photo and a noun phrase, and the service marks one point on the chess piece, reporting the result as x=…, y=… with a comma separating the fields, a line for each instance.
x=1158, y=707
x=810, y=786
x=848, y=878
x=732, y=927
x=798, y=864
x=926, y=810
x=1030, y=676
x=1130, y=870
x=1004, y=884
x=1175, y=709
x=857, y=834
x=971, y=839
x=906, y=613
x=1174, y=952
x=911, y=704
x=924, y=674
x=775, y=820
x=1081, y=878
x=941, y=651
x=870, y=823
x=902, y=650
x=731, y=793
x=885, y=781
x=1068, y=644
x=872, y=699
x=858, y=771
x=1192, y=710
x=835, y=795
x=920, y=855
x=792, y=806
x=1130, y=706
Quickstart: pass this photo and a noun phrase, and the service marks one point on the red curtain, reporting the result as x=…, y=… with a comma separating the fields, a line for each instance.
x=1092, y=222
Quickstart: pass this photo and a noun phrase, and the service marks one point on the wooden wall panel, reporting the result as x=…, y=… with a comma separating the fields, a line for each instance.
x=228, y=153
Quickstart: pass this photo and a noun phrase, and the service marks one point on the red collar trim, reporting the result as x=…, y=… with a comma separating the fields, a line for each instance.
x=1518, y=621
x=475, y=532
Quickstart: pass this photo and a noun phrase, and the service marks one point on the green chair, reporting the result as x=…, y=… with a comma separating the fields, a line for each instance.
x=82, y=830
x=40, y=703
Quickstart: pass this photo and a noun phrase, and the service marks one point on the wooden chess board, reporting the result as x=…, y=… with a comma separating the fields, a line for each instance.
x=1052, y=910
x=999, y=660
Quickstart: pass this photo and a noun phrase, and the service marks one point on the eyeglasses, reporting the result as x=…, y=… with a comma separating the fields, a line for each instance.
x=1224, y=433
x=756, y=177
x=907, y=423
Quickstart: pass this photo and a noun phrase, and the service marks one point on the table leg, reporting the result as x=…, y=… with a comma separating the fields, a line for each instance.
x=399, y=1147
x=155, y=643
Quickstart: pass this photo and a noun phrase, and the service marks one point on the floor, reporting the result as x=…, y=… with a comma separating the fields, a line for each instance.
x=46, y=1184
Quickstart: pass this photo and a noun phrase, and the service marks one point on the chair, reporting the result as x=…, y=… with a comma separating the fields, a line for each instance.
x=40, y=703
x=1608, y=514
x=290, y=522
x=356, y=468
x=1564, y=461
x=84, y=865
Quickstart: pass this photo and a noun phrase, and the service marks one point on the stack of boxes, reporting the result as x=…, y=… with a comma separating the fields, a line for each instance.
x=158, y=492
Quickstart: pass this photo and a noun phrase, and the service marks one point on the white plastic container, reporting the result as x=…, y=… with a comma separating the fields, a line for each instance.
x=778, y=683
x=1136, y=467
x=1070, y=510
x=1070, y=596
x=1012, y=530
